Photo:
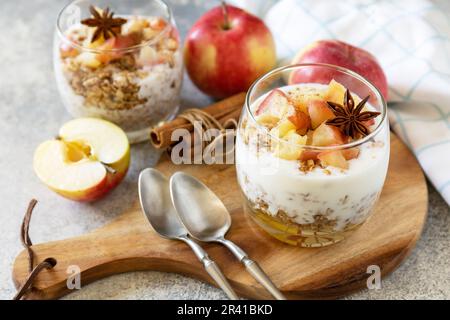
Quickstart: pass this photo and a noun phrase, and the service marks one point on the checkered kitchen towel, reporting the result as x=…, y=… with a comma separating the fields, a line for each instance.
x=410, y=38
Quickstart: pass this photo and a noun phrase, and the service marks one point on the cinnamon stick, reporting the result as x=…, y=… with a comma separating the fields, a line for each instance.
x=229, y=108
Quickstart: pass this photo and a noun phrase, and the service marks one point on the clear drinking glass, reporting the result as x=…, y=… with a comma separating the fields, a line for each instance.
x=132, y=79
x=285, y=191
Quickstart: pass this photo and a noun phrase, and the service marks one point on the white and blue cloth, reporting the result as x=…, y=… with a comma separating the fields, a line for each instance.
x=410, y=38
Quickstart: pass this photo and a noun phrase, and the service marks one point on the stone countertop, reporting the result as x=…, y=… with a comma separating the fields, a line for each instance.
x=31, y=111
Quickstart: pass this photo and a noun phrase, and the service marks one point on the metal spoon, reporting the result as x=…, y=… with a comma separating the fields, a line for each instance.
x=157, y=207
x=207, y=219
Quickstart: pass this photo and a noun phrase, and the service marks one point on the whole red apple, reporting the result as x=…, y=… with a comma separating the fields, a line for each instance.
x=226, y=50
x=341, y=54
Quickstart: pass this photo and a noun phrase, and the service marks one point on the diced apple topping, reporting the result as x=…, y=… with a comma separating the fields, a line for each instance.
x=117, y=43
x=67, y=51
x=326, y=135
x=301, y=121
x=292, y=148
x=299, y=118
x=148, y=57
x=88, y=59
x=309, y=155
x=300, y=99
x=158, y=23
x=333, y=158
x=268, y=120
x=277, y=104
x=135, y=26
x=335, y=93
x=283, y=128
x=319, y=112
x=351, y=153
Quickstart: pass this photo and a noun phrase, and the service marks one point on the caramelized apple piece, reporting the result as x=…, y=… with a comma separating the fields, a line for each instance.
x=277, y=104
x=333, y=158
x=326, y=135
x=319, y=112
x=301, y=121
x=309, y=155
x=351, y=153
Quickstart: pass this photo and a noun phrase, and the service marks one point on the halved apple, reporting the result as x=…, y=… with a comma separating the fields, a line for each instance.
x=88, y=159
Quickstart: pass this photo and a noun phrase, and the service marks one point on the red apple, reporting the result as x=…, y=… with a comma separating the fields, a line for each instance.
x=226, y=50
x=341, y=54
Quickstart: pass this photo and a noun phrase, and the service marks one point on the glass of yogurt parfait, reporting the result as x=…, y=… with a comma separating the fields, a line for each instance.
x=312, y=157
x=120, y=61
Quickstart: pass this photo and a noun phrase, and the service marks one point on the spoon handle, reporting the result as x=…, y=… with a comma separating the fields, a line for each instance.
x=255, y=270
x=211, y=267
x=215, y=273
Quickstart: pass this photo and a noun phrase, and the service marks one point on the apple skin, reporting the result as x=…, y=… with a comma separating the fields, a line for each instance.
x=341, y=54
x=222, y=62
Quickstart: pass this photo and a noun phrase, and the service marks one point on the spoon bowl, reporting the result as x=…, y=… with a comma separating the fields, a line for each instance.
x=156, y=203
x=154, y=196
x=207, y=219
x=201, y=211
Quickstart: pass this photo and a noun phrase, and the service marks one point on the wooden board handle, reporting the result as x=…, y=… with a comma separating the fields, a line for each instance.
x=104, y=252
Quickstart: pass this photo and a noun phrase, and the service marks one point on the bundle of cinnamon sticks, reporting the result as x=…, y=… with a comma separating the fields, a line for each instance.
x=222, y=111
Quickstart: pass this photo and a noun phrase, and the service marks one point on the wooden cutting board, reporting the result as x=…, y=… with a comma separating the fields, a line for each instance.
x=129, y=244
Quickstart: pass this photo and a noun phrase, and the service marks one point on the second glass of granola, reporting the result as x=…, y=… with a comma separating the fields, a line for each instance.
x=120, y=61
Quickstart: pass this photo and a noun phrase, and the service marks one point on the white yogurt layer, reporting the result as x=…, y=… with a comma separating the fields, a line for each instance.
x=346, y=196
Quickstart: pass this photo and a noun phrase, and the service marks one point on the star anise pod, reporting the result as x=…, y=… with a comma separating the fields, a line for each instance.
x=104, y=22
x=349, y=118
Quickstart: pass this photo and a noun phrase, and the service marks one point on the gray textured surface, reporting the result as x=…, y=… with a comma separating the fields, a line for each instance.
x=31, y=111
